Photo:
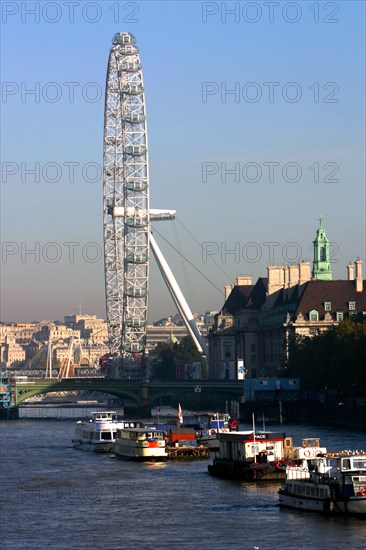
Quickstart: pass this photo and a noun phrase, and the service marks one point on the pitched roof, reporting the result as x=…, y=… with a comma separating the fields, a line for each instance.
x=258, y=295
x=237, y=299
x=246, y=296
x=338, y=293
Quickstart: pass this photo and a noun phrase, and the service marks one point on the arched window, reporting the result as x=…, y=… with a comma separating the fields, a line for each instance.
x=313, y=315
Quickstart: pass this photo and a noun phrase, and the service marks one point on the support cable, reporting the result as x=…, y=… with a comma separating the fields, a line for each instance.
x=200, y=245
x=190, y=263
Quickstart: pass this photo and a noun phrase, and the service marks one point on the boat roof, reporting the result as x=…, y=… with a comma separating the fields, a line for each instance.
x=249, y=435
x=143, y=430
x=206, y=413
x=347, y=454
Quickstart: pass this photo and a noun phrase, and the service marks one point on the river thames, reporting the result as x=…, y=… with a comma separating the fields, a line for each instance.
x=53, y=496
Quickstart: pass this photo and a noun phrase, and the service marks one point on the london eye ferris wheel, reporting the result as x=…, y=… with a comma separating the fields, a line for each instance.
x=127, y=215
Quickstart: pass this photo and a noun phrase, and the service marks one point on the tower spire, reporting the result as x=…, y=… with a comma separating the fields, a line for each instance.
x=321, y=263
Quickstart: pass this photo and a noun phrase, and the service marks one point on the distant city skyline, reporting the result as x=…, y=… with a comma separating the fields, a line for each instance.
x=256, y=128
x=61, y=319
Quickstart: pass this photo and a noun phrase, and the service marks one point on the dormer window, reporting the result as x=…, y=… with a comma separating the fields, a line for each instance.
x=313, y=315
x=339, y=316
x=327, y=306
x=352, y=306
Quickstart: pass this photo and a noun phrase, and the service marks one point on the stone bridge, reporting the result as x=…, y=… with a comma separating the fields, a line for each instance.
x=143, y=394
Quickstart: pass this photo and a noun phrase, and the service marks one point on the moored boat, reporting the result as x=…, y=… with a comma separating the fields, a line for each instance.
x=140, y=444
x=98, y=434
x=209, y=425
x=251, y=456
x=5, y=390
x=329, y=483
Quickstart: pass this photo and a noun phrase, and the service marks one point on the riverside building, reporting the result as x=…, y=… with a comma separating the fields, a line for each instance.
x=252, y=332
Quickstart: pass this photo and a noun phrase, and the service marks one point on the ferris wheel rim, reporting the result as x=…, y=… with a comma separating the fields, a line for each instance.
x=126, y=221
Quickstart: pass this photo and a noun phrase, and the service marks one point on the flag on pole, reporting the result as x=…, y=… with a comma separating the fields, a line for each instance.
x=180, y=414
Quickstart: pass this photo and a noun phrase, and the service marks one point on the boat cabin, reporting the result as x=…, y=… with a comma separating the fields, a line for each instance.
x=352, y=463
x=142, y=437
x=249, y=446
x=182, y=437
x=103, y=416
x=310, y=448
x=208, y=421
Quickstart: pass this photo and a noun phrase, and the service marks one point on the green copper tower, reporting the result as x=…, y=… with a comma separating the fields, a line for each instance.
x=321, y=264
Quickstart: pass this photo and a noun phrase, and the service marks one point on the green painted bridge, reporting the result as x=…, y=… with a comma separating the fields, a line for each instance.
x=143, y=394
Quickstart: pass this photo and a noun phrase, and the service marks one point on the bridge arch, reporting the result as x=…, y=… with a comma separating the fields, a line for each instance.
x=113, y=387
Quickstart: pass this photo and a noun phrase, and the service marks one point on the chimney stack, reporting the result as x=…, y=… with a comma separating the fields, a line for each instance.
x=243, y=280
x=304, y=272
x=359, y=282
x=276, y=278
x=350, y=272
x=227, y=291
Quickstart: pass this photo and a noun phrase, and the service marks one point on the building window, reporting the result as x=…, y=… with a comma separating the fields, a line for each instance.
x=352, y=306
x=314, y=315
x=339, y=316
x=253, y=348
x=327, y=306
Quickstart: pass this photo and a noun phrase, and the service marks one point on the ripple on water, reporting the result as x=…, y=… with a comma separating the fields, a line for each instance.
x=54, y=496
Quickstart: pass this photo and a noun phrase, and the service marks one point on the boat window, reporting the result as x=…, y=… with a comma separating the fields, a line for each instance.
x=141, y=437
x=346, y=464
x=106, y=436
x=359, y=464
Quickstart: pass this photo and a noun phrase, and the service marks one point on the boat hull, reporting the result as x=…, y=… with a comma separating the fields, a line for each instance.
x=95, y=447
x=211, y=442
x=352, y=506
x=230, y=469
x=127, y=452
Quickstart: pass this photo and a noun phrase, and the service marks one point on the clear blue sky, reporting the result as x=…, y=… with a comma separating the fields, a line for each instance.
x=192, y=53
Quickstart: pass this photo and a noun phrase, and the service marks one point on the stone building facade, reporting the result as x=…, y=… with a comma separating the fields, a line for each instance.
x=253, y=330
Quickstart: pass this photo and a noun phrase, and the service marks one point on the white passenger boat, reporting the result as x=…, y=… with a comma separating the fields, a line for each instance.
x=327, y=483
x=140, y=444
x=299, y=460
x=98, y=434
